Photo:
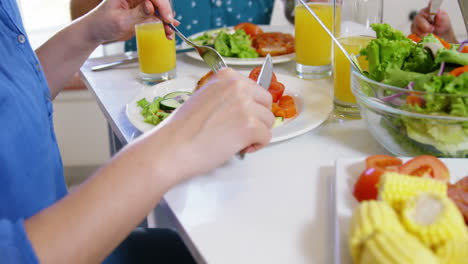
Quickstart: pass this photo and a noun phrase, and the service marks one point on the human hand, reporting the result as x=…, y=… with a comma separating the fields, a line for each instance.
x=116, y=19
x=442, y=26
x=229, y=113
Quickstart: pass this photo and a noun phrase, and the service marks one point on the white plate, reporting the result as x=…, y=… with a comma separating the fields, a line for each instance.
x=256, y=61
x=347, y=172
x=313, y=103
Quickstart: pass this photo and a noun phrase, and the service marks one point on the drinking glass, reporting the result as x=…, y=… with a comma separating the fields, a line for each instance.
x=156, y=54
x=313, y=45
x=354, y=34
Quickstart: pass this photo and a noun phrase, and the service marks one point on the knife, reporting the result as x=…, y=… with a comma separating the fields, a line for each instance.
x=464, y=10
x=113, y=64
x=264, y=80
x=434, y=6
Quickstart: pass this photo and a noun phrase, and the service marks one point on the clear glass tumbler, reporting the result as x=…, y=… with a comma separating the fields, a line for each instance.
x=354, y=34
x=156, y=54
x=313, y=44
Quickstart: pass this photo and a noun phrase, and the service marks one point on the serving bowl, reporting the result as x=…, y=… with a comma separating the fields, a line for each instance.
x=410, y=123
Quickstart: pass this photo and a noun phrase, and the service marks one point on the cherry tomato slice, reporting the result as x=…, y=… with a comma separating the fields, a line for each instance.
x=426, y=166
x=250, y=29
x=414, y=38
x=256, y=71
x=384, y=162
x=366, y=186
x=276, y=90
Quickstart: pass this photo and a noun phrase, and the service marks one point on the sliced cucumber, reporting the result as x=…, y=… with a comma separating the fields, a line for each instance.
x=169, y=104
x=175, y=94
x=278, y=121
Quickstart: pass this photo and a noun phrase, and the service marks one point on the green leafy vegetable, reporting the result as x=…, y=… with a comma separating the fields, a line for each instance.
x=237, y=44
x=451, y=56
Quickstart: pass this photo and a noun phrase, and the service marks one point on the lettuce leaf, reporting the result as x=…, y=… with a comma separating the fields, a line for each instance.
x=237, y=44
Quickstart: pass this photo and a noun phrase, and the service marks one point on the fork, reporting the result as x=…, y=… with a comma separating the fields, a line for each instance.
x=208, y=54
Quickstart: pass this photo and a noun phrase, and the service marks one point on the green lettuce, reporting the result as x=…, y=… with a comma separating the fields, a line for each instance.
x=451, y=56
x=237, y=44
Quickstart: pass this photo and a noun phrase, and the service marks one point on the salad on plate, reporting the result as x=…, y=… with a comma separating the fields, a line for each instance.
x=247, y=40
x=433, y=79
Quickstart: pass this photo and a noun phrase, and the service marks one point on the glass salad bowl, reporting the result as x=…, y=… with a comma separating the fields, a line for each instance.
x=410, y=123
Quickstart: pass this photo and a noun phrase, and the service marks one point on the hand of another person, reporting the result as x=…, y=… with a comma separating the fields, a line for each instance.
x=116, y=19
x=228, y=114
x=442, y=26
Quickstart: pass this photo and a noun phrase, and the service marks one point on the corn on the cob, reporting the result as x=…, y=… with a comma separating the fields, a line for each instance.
x=434, y=219
x=395, y=188
x=371, y=217
x=454, y=252
x=396, y=248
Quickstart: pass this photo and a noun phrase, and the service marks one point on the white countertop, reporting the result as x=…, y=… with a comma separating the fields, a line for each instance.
x=272, y=207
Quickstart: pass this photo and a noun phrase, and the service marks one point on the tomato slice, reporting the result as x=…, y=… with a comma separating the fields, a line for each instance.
x=384, y=162
x=426, y=166
x=414, y=38
x=256, y=71
x=276, y=90
x=250, y=29
x=415, y=100
x=366, y=186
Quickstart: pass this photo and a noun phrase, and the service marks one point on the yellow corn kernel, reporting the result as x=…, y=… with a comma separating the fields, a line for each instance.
x=434, y=219
x=395, y=188
x=368, y=218
x=396, y=248
x=454, y=252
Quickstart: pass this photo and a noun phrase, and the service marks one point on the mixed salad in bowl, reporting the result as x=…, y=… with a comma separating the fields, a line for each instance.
x=416, y=92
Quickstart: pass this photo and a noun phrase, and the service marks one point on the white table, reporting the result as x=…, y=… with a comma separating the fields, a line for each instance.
x=272, y=207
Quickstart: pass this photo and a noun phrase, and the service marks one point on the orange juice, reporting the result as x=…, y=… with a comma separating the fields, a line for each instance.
x=313, y=45
x=156, y=53
x=342, y=67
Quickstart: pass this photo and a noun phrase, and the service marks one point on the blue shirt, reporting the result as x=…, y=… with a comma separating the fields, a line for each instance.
x=31, y=171
x=200, y=15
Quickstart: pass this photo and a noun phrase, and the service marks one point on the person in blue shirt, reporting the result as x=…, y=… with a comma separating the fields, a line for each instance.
x=39, y=220
x=200, y=15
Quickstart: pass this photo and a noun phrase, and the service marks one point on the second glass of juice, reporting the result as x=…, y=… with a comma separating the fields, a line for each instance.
x=313, y=45
x=156, y=53
x=354, y=34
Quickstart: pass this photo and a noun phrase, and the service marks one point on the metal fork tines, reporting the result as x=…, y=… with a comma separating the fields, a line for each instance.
x=208, y=54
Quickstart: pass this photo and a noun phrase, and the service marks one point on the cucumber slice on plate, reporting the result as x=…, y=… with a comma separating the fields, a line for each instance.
x=278, y=121
x=175, y=94
x=169, y=104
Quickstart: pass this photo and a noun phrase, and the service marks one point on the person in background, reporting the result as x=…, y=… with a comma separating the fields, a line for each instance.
x=199, y=15
x=441, y=27
x=40, y=222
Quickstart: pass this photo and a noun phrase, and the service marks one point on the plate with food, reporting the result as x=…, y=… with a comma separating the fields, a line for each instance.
x=298, y=105
x=247, y=43
x=400, y=210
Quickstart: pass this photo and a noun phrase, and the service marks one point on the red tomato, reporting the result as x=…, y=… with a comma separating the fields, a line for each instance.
x=426, y=166
x=256, y=71
x=366, y=186
x=286, y=101
x=414, y=38
x=250, y=29
x=276, y=90
x=384, y=162
x=415, y=100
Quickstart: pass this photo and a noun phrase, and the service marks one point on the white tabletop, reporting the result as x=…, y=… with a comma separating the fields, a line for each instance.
x=272, y=207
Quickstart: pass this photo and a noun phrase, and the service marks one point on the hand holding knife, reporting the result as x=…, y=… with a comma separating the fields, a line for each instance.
x=434, y=7
x=264, y=80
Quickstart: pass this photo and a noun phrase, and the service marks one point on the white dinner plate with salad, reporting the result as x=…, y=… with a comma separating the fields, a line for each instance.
x=313, y=103
x=347, y=173
x=247, y=62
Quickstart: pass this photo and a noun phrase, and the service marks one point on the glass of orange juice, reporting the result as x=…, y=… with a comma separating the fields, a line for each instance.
x=156, y=53
x=354, y=34
x=313, y=45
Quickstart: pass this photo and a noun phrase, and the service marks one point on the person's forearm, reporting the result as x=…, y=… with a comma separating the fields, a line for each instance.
x=63, y=54
x=91, y=221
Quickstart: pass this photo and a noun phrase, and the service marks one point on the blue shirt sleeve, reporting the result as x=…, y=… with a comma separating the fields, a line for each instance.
x=15, y=246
